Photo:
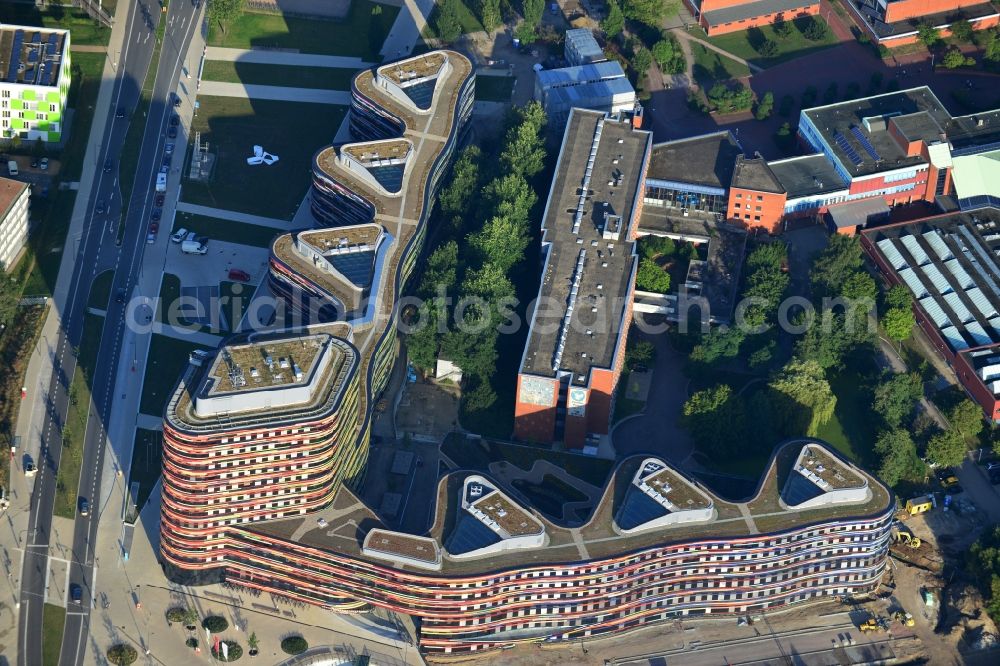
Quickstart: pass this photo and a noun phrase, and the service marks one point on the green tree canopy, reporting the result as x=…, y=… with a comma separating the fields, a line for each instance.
x=501, y=242
x=899, y=457
x=650, y=12
x=838, y=261
x=765, y=106
x=712, y=416
x=946, y=448
x=650, y=277
x=961, y=30
x=446, y=23
x=225, y=12
x=668, y=56
x=489, y=14
x=802, y=398
x=928, y=35
x=457, y=197
x=719, y=343
x=895, y=398
x=898, y=323
x=966, y=418
x=614, y=22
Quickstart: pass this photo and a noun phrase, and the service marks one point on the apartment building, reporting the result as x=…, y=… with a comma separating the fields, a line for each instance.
x=718, y=17
x=14, y=205
x=35, y=71
x=894, y=22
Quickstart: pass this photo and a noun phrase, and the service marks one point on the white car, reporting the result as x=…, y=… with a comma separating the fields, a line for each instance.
x=179, y=235
x=29, y=469
x=150, y=238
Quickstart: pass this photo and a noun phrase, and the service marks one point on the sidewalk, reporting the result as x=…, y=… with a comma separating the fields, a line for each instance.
x=263, y=57
x=235, y=216
x=280, y=93
x=683, y=35
x=407, y=29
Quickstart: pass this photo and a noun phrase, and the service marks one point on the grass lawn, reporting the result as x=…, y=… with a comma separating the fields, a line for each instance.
x=624, y=406
x=360, y=34
x=167, y=359
x=147, y=456
x=466, y=18
x=252, y=73
x=852, y=429
x=226, y=230
x=100, y=290
x=789, y=48
x=84, y=30
x=46, y=243
x=233, y=125
x=75, y=428
x=494, y=88
x=478, y=454
x=53, y=624
x=710, y=66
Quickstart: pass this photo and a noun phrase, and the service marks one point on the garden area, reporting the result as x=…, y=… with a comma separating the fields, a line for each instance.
x=779, y=42
x=232, y=125
x=664, y=262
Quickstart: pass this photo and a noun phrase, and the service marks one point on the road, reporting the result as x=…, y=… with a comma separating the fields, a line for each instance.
x=96, y=250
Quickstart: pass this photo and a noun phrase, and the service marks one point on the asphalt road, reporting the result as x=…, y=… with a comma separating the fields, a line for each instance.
x=96, y=249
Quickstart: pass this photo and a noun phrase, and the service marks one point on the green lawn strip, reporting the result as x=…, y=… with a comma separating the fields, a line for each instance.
x=625, y=406
x=75, y=429
x=83, y=29
x=466, y=18
x=100, y=290
x=851, y=430
x=233, y=125
x=252, y=73
x=710, y=66
x=166, y=360
x=45, y=245
x=17, y=342
x=128, y=162
x=494, y=88
x=227, y=231
x=147, y=456
x=53, y=624
x=789, y=48
x=361, y=33
x=478, y=454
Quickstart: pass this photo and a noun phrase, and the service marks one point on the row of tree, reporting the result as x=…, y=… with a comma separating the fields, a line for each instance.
x=466, y=288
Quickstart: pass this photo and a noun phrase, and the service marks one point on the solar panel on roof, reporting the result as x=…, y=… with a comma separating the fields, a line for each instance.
x=913, y=281
x=865, y=143
x=15, y=56
x=888, y=248
x=978, y=333
x=916, y=251
x=50, y=49
x=937, y=278
x=847, y=148
x=954, y=338
x=937, y=244
x=958, y=307
x=935, y=311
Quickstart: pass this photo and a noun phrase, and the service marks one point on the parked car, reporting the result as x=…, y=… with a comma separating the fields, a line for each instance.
x=156, y=214
x=150, y=239
x=179, y=235
x=84, y=507
x=175, y=119
x=159, y=199
x=154, y=227
x=30, y=469
x=34, y=163
x=175, y=99
x=239, y=274
x=75, y=593
x=171, y=132
x=44, y=164
x=166, y=161
x=101, y=207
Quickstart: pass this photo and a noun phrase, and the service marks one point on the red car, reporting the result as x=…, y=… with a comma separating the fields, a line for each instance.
x=239, y=275
x=154, y=227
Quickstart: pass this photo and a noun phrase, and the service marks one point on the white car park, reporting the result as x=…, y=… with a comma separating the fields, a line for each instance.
x=179, y=235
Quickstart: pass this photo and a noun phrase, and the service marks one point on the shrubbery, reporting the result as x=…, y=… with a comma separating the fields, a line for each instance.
x=294, y=645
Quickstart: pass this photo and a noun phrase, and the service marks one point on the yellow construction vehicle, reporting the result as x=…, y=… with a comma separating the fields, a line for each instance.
x=904, y=618
x=870, y=625
x=903, y=535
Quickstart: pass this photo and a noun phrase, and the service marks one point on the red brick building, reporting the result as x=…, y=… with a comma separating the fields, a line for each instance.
x=756, y=197
x=718, y=17
x=894, y=22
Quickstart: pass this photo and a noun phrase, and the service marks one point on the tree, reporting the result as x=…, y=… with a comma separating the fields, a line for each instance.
x=946, y=449
x=711, y=415
x=122, y=654
x=813, y=29
x=668, y=56
x=782, y=28
x=225, y=12
x=650, y=12
x=294, y=645
x=765, y=106
x=729, y=98
x=650, y=277
x=895, y=398
x=614, y=22
x=641, y=61
x=898, y=323
x=524, y=153
x=802, y=398
x=190, y=617
x=992, y=46
x=835, y=264
x=768, y=48
x=640, y=354
x=532, y=11
x=783, y=137
x=502, y=242
x=954, y=58
x=899, y=457
x=489, y=14
x=928, y=35
x=253, y=643
x=966, y=418
x=446, y=24
x=719, y=343
x=440, y=271
x=898, y=296
x=176, y=614
x=215, y=624
x=961, y=29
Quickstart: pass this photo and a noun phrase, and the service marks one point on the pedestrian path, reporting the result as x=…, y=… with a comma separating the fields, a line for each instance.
x=280, y=93
x=407, y=29
x=685, y=36
x=234, y=216
x=265, y=57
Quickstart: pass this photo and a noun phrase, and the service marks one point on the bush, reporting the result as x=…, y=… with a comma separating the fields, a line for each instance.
x=233, y=649
x=768, y=48
x=191, y=643
x=954, y=59
x=730, y=98
x=650, y=277
x=782, y=28
x=294, y=645
x=176, y=614
x=215, y=624
x=122, y=654
x=765, y=105
x=811, y=28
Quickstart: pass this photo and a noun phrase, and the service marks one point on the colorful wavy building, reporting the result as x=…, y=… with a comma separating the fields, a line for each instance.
x=263, y=440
